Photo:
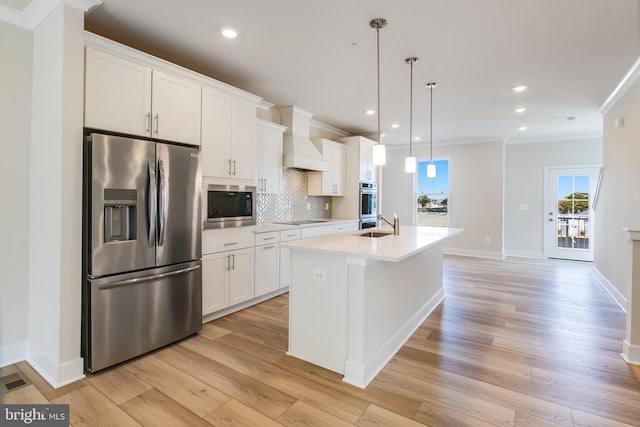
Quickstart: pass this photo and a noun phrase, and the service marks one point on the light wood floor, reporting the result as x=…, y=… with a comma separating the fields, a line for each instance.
x=516, y=343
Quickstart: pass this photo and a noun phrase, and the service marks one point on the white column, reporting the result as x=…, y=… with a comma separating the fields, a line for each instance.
x=55, y=202
x=631, y=344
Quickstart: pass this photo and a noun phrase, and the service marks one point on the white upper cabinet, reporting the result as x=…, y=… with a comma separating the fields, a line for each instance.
x=331, y=182
x=269, y=137
x=367, y=169
x=129, y=97
x=228, y=135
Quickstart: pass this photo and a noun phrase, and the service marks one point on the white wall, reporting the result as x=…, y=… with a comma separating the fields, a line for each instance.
x=15, y=137
x=524, y=185
x=475, y=193
x=619, y=202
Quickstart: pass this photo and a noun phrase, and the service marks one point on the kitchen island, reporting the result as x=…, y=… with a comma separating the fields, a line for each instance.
x=355, y=300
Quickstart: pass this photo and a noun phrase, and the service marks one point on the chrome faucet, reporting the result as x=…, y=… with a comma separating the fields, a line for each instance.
x=395, y=224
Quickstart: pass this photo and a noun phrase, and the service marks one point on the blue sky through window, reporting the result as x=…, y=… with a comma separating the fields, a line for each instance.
x=568, y=184
x=439, y=184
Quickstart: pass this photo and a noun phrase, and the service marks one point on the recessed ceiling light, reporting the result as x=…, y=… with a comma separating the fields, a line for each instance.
x=417, y=138
x=229, y=33
x=520, y=109
x=370, y=112
x=395, y=126
x=521, y=128
x=520, y=88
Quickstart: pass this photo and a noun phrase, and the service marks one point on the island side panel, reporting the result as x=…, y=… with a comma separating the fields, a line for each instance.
x=388, y=301
x=318, y=309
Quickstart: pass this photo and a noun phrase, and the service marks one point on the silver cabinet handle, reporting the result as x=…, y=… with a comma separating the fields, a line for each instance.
x=230, y=243
x=163, y=204
x=157, y=125
x=229, y=262
x=229, y=170
x=269, y=247
x=152, y=204
x=234, y=167
x=268, y=238
x=136, y=280
x=148, y=123
x=233, y=263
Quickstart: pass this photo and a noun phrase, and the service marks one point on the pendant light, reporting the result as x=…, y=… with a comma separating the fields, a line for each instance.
x=379, y=151
x=410, y=161
x=431, y=167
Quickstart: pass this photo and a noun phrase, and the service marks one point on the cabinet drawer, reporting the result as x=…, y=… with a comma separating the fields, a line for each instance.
x=317, y=231
x=347, y=226
x=287, y=235
x=267, y=238
x=227, y=239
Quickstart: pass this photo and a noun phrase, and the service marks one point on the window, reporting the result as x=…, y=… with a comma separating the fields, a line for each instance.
x=432, y=198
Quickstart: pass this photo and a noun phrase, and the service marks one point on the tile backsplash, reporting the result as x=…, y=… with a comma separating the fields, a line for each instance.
x=291, y=204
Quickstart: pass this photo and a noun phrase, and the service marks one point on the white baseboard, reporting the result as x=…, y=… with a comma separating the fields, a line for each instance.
x=56, y=374
x=13, y=353
x=620, y=299
x=524, y=254
x=473, y=253
x=630, y=353
x=361, y=374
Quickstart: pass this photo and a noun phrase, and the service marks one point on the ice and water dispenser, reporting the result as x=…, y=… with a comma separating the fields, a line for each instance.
x=120, y=215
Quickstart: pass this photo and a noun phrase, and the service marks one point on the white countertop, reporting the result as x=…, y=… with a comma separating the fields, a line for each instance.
x=412, y=239
x=266, y=227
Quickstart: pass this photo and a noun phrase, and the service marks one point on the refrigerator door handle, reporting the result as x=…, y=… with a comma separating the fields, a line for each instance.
x=128, y=282
x=152, y=202
x=163, y=204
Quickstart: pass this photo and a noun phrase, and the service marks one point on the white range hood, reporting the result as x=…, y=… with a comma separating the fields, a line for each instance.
x=299, y=151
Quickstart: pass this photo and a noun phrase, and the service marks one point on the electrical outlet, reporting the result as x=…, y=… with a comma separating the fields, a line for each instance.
x=326, y=206
x=308, y=206
x=487, y=240
x=319, y=274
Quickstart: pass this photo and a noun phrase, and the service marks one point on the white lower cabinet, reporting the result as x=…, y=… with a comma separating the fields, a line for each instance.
x=285, y=257
x=227, y=268
x=227, y=279
x=266, y=269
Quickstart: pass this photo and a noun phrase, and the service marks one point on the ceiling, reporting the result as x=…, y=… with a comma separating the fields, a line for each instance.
x=321, y=57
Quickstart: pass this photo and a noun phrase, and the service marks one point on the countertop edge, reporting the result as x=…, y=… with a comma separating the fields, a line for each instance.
x=366, y=253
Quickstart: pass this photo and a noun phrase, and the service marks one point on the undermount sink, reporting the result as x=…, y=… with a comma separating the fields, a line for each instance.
x=375, y=234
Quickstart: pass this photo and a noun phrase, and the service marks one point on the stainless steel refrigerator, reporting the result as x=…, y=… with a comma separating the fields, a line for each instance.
x=142, y=267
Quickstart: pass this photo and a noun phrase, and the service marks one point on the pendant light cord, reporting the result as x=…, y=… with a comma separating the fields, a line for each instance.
x=411, y=61
x=378, y=76
x=431, y=125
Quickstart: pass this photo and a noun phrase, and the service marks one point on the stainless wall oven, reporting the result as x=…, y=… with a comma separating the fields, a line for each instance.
x=230, y=206
x=368, y=204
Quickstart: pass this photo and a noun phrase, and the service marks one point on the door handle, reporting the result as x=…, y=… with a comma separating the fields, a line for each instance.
x=152, y=203
x=163, y=204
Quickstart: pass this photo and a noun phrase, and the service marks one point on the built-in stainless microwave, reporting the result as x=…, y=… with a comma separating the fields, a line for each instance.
x=230, y=206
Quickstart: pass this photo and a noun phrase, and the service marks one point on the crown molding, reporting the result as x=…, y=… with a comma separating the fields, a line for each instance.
x=627, y=81
x=38, y=10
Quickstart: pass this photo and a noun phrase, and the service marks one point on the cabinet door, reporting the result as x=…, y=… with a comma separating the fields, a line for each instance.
x=215, y=282
x=338, y=169
x=216, y=133
x=176, y=109
x=285, y=267
x=243, y=139
x=266, y=272
x=117, y=94
x=241, y=276
x=367, y=170
x=270, y=151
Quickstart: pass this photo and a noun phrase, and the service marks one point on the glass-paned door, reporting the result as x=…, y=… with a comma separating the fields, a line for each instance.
x=569, y=215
